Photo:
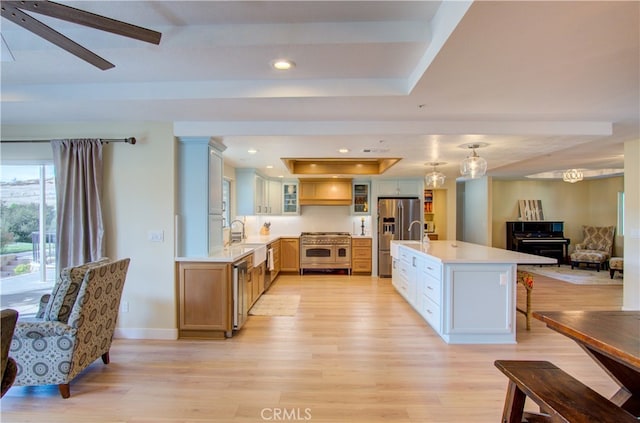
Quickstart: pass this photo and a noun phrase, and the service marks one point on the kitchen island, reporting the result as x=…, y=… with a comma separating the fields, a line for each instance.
x=466, y=292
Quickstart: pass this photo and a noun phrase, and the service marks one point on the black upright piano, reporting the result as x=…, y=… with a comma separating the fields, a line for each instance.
x=542, y=238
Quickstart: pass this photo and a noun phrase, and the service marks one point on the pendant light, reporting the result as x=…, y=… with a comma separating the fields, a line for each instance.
x=572, y=176
x=434, y=179
x=473, y=166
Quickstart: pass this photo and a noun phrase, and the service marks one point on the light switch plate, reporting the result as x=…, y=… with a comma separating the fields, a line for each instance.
x=156, y=236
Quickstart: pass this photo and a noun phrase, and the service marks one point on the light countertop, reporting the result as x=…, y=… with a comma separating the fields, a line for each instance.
x=235, y=252
x=465, y=252
x=227, y=255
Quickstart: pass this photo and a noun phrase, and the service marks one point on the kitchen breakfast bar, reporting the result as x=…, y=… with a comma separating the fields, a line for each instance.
x=466, y=292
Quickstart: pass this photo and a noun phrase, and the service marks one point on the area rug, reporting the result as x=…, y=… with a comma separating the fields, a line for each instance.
x=575, y=276
x=276, y=305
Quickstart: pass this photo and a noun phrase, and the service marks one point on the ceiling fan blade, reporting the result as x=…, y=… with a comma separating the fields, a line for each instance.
x=18, y=17
x=81, y=17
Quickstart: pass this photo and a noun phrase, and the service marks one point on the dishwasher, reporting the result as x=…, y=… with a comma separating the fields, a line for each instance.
x=240, y=294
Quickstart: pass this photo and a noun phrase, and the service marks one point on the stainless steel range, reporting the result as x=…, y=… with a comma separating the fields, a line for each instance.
x=325, y=250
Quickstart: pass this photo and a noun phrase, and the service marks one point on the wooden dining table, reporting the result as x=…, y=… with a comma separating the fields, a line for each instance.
x=612, y=339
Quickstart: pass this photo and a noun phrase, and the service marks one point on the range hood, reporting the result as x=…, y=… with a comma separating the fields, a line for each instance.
x=325, y=192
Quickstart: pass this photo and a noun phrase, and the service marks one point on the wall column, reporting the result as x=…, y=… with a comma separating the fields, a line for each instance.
x=631, y=293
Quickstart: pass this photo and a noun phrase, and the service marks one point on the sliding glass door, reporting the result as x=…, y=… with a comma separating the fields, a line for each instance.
x=27, y=233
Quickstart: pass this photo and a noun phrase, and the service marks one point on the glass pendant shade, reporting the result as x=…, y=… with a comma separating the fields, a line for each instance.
x=572, y=176
x=434, y=179
x=473, y=166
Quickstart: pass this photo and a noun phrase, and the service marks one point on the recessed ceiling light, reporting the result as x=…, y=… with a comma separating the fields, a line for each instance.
x=269, y=167
x=252, y=151
x=343, y=150
x=283, y=64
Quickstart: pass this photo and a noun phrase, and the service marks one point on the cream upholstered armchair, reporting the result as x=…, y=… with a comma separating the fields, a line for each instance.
x=75, y=327
x=596, y=248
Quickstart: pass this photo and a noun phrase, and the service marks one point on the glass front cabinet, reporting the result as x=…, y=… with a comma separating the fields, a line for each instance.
x=361, y=198
x=290, y=203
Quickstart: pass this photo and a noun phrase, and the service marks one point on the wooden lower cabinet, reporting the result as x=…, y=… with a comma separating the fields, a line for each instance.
x=205, y=300
x=275, y=246
x=361, y=255
x=290, y=254
x=257, y=283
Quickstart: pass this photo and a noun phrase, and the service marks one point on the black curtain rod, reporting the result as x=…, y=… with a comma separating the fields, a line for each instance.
x=130, y=140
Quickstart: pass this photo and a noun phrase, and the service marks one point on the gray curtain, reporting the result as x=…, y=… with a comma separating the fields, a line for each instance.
x=79, y=226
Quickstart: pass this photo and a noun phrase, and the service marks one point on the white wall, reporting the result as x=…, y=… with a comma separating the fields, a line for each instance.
x=476, y=211
x=139, y=195
x=631, y=295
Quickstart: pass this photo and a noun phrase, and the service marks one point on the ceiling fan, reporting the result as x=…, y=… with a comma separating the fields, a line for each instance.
x=15, y=12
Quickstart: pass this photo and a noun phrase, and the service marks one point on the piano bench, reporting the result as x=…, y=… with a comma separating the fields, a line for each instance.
x=616, y=263
x=526, y=280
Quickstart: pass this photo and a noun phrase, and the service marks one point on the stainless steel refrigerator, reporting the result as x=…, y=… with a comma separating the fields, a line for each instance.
x=395, y=215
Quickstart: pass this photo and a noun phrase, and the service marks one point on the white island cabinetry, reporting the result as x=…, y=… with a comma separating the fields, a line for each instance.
x=403, y=275
x=430, y=292
x=466, y=292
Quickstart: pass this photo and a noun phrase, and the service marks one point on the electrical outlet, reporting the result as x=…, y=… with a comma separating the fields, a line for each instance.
x=156, y=236
x=124, y=306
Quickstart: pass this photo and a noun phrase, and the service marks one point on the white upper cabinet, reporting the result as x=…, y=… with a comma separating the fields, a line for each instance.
x=399, y=187
x=199, y=212
x=361, y=198
x=261, y=195
x=290, y=198
x=216, y=169
x=257, y=194
x=275, y=197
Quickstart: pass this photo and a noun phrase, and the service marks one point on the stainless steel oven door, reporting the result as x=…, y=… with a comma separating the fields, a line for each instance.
x=315, y=256
x=342, y=252
x=342, y=256
x=325, y=257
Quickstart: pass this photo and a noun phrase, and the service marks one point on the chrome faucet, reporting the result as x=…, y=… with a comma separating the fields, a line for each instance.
x=237, y=236
x=411, y=226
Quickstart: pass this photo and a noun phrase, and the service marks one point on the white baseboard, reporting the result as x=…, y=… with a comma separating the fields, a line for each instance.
x=146, y=333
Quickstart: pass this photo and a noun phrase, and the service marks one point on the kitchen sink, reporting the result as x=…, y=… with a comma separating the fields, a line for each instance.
x=259, y=252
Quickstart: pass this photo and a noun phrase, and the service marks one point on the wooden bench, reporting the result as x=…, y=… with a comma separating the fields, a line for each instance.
x=561, y=397
x=526, y=280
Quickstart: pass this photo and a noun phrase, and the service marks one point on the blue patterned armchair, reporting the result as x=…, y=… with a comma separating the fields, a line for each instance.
x=596, y=248
x=73, y=328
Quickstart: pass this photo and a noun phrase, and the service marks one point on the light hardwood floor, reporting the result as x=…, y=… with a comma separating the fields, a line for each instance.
x=354, y=352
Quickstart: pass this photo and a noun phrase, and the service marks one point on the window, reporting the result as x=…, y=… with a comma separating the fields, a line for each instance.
x=27, y=207
x=226, y=201
x=621, y=213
